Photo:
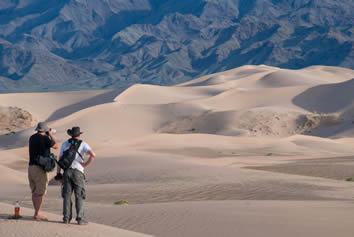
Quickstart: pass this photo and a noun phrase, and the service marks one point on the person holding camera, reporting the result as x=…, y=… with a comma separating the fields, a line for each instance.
x=39, y=145
x=73, y=179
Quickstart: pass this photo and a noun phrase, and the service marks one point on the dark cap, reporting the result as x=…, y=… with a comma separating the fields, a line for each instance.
x=74, y=132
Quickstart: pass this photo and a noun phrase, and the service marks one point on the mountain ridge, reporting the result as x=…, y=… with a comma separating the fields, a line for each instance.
x=86, y=44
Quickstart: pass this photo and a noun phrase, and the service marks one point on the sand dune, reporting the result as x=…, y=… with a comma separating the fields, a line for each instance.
x=55, y=101
x=28, y=227
x=149, y=94
x=184, y=156
x=12, y=177
x=287, y=78
x=237, y=99
x=253, y=122
x=329, y=98
x=241, y=218
x=230, y=75
x=335, y=71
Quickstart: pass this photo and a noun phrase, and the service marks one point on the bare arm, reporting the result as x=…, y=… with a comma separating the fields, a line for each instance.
x=90, y=159
x=55, y=146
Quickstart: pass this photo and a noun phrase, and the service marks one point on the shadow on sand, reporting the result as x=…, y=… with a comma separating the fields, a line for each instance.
x=4, y=217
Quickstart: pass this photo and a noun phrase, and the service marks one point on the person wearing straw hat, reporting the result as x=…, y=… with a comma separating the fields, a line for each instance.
x=73, y=178
x=39, y=145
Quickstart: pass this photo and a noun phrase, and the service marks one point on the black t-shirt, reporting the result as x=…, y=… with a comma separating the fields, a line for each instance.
x=39, y=145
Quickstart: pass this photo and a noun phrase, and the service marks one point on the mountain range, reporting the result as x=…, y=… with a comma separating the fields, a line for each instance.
x=96, y=44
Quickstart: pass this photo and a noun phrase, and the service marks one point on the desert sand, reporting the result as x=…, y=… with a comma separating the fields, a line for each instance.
x=253, y=151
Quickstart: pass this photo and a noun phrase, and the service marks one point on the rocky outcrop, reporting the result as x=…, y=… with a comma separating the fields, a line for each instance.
x=13, y=119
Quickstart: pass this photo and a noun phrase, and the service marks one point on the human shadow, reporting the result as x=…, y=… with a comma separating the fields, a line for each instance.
x=7, y=217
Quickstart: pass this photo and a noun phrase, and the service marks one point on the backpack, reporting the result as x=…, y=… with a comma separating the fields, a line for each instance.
x=69, y=155
x=47, y=163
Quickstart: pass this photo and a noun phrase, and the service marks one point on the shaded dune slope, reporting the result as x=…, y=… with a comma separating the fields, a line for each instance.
x=328, y=98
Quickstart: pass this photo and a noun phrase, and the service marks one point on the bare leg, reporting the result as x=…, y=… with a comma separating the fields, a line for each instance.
x=37, y=203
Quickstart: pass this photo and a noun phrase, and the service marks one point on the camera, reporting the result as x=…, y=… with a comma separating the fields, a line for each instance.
x=58, y=177
x=53, y=131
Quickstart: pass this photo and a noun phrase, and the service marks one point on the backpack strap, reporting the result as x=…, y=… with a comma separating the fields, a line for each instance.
x=79, y=144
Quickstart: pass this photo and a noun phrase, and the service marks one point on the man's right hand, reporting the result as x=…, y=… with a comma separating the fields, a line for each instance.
x=50, y=134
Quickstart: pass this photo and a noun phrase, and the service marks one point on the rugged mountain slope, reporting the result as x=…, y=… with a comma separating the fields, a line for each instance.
x=78, y=44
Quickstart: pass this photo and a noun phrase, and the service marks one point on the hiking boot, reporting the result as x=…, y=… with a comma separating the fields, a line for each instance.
x=82, y=222
x=66, y=222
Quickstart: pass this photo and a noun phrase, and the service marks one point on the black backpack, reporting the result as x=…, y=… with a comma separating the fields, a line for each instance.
x=69, y=155
x=46, y=160
x=47, y=163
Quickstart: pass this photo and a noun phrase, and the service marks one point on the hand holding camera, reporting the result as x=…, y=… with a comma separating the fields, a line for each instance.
x=51, y=131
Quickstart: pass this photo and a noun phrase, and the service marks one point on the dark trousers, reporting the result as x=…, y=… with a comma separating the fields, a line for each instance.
x=73, y=181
